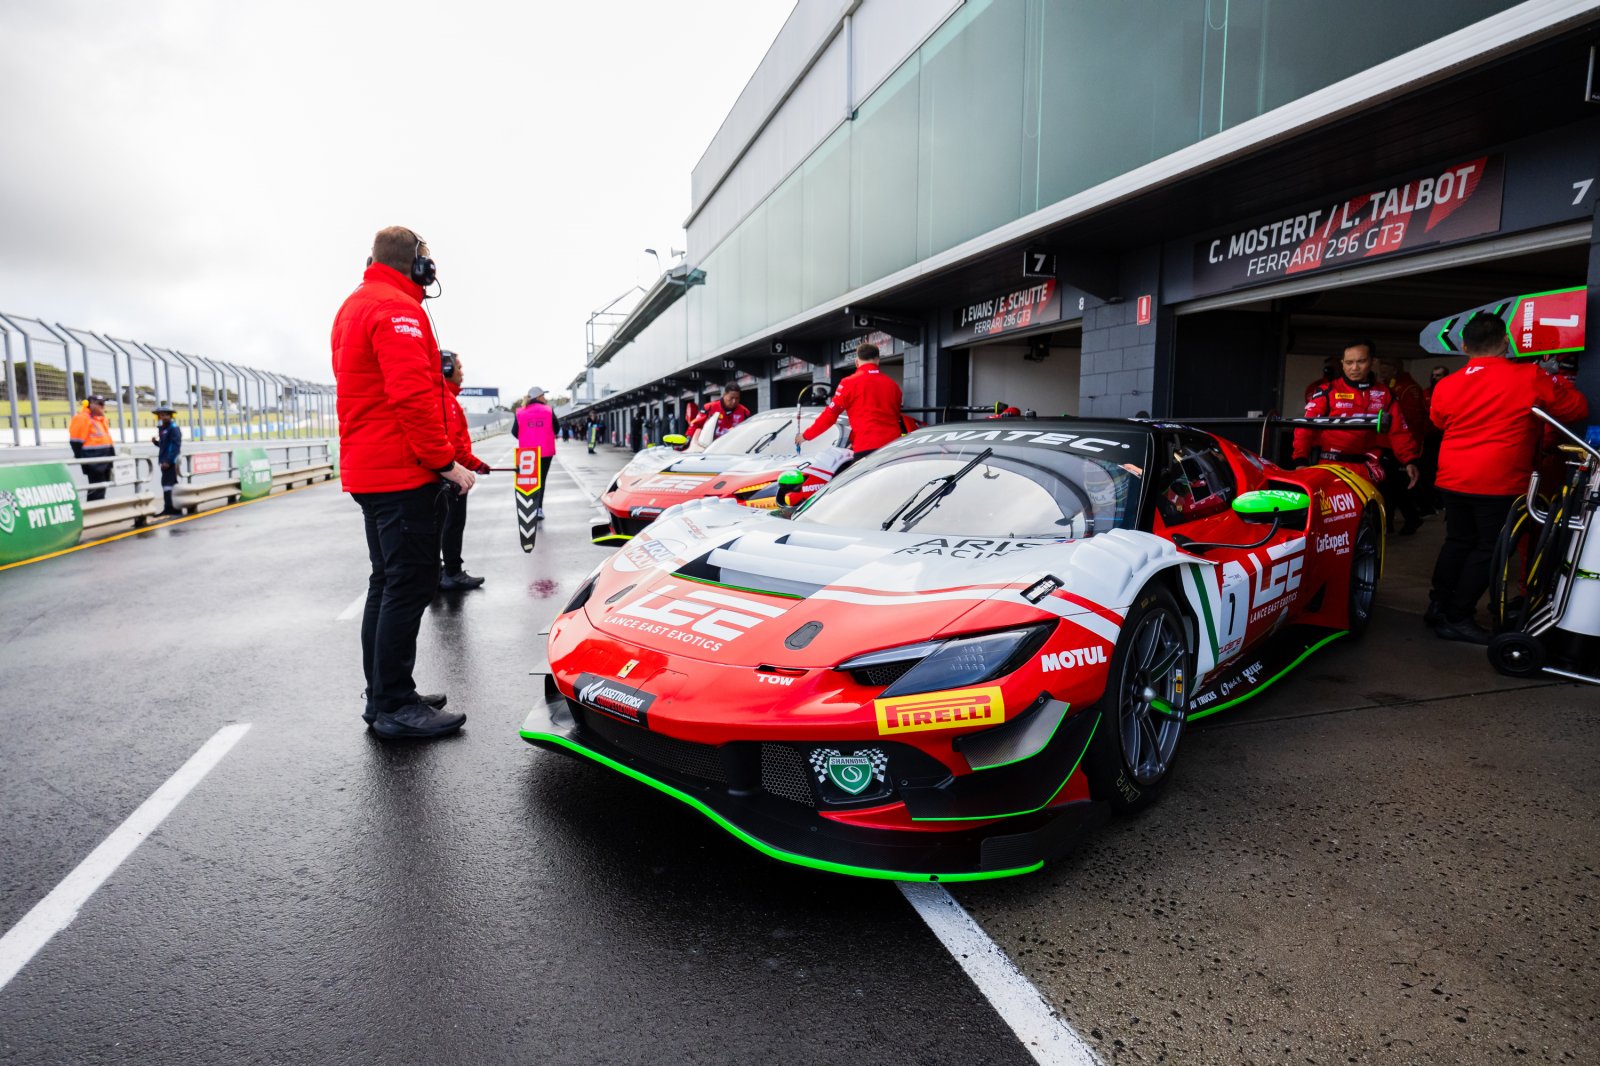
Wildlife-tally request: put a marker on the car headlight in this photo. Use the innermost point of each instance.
(940, 664)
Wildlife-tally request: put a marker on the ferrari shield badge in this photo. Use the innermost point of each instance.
(851, 774)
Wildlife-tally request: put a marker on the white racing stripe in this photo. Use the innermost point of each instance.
(1048, 1038)
(57, 910)
(354, 610)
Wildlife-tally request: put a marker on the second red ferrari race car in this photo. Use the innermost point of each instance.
(969, 646)
(743, 464)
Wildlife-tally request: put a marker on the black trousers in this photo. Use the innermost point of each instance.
(95, 473)
(1398, 497)
(403, 545)
(544, 479)
(454, 528)
(1471, 526)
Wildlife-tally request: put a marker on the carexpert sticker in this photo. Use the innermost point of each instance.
(614, 698)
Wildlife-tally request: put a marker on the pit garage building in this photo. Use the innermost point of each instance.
(1108, 207)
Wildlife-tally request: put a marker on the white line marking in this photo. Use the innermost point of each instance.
(1047, 1036)
(593, 497)
(355, 608)
(57, 910)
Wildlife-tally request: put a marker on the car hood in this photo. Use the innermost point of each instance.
(715, 581)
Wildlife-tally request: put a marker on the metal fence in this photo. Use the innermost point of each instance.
(51, 369)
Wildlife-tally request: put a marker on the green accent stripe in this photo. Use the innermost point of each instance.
(1042, 806)
(611, 538)
(1209, 711)
(761, 845)
(737, 588)
(1205, 609)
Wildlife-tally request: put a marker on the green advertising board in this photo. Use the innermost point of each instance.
(255, 472)
(39, 511)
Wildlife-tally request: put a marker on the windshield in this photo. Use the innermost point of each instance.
(772, 433)
(1016, 491)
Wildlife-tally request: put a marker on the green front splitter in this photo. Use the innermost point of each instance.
(795, 833)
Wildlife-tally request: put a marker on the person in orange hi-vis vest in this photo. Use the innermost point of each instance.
(90, 437)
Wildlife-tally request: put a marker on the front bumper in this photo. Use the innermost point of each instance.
(950, 846)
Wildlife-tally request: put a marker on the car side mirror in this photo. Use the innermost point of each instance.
(1272, 505)
(789, 483)
(676, 441)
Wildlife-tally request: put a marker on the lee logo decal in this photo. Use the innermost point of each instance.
(704, 611)
(952, 709)
(1076, 657)
(673, 483)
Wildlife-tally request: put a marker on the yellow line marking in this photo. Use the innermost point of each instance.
(160, 525)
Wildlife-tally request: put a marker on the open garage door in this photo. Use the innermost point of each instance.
(1243, 355)
(1038, 373)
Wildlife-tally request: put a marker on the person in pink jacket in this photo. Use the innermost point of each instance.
(536, 428)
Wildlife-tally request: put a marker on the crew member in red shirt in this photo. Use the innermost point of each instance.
(871, 399)
(729, 411)
(1358, 448)
(454, 578)
(395, 448)
(1484, 461)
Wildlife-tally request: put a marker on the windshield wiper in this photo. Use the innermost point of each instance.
(770, 437)
(930, 501)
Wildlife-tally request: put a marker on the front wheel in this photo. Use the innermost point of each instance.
(1365, 562)
(1145, 704)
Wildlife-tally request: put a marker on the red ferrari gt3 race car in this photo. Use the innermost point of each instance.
(743, 464)
(966, 648)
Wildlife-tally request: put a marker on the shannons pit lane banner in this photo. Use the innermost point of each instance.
(255, 472)
(1454, 203)
(39, 511)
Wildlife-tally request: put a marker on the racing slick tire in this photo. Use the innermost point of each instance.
(1365, 561)
(1516, 654)
(1145, 704)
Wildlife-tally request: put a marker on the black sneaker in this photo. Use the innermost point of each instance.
(1467, 631)
(1434, 614)
(459, 582)
(436, 700)
(417, 720)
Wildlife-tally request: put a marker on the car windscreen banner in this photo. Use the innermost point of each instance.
(1453, 203)
(1115, 445)
(39, 511)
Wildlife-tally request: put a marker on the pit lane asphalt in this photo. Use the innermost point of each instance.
(1390, 856)
(323, 896)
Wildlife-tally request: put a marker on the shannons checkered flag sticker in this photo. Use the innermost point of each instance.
(852, 773)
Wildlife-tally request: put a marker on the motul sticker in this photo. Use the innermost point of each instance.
(1073, 658)
(959, 708)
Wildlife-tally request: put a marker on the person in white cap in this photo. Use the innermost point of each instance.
(536, 428)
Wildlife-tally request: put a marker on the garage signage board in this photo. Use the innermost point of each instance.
(1541, 323)
(1452, 203)
(39, 511)
(1006, 312)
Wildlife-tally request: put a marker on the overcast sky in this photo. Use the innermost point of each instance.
(208, 175)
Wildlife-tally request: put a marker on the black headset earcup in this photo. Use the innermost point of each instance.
(447, 363)
(422, 271)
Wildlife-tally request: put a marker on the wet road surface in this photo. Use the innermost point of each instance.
(1389, 857)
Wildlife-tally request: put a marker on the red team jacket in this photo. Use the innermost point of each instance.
(728, 420)
(1489, 434)
(1341, 398)
(460, 432)
(872, 400)
(392, 430)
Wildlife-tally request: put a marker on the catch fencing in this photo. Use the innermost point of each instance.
(51, 368)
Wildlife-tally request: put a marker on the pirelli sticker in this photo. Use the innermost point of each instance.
(957, 708)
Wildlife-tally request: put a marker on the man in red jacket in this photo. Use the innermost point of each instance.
(871, 399)
(394, 449)
(1353, 394)
(454, 578)
(729, 411)
(1484, 461)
